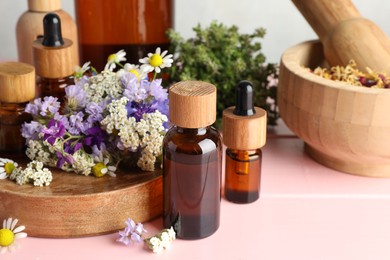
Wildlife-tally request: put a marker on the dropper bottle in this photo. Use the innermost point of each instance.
(244, 133)
(53, 59)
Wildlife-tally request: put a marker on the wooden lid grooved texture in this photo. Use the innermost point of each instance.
(192, 104)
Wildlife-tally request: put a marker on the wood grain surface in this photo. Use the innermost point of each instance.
(344, 127)
(347, 35)
(76, 205)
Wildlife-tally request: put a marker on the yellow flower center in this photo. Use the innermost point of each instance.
(135, 72)
(6, 237)
(111, 58)
(97, 169)
(9, 167)
(156, 60)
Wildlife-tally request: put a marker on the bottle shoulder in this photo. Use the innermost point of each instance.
(189, 142)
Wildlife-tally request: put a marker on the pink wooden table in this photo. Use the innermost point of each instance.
(306, 211)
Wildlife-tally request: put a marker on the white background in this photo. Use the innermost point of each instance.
(284, 24)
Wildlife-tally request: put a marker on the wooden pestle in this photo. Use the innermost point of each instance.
(346, 35)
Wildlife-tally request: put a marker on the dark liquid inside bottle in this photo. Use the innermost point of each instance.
(53, 87)
(242, 175)
(12, 116)
(106, 26)
(192, 181)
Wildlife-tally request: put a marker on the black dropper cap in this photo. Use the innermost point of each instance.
(244, 99)
(52, 35)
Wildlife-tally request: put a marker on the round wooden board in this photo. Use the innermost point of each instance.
(76, 205)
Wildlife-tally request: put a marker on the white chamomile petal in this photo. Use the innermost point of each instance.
(3, 176)
(111, 168)
(19, 229)
(8, 223)
(104, 170)
(21, 235)
(13, 224)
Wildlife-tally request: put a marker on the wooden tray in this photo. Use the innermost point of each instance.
(76, 205)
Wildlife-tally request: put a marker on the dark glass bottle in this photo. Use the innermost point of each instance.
(137, 26)
(53, 87)
(242, 175)
(244, 133)
(12, 116)
(17, 88)
(53, 58)
(192, 158)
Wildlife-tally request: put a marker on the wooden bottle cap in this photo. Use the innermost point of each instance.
(44, 5)
(192, 104)
(244, 132)
(17, 82)
(53, 62)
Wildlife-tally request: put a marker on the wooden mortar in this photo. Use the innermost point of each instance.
(344, 127)
(346, 35)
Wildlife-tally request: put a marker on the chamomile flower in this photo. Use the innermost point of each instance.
(8, 235)
(102, 166)
(136, 70)
(6, 167)
(115, 59)
(79, 71)
(156, 61)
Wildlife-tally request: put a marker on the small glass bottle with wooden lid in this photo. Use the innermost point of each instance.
(244, 133)
(17, 88)
(192, 161)
(53, 59)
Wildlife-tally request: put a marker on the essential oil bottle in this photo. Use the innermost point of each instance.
(53, 59)
(17, 88)
(192, 161)
(29, 26)
(244, 133)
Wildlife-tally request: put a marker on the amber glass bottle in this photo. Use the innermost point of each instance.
(244, 132)
(29, 27)
(53, 59)
(17, 87)
(137, 26)
(192, 157)
(242, 175)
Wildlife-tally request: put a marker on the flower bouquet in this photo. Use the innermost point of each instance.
(108, 117)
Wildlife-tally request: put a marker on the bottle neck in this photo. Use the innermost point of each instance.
(193, 131)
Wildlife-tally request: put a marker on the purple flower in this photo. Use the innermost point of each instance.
(77, 124)
(62, 158)
(49, 106)
(55, 129)
(95, 112)
(134, 90)
(34, 107)
(31, 130)
(157, 91)
(76, 97)
(64, 119)
(137, 110)
(132, 233)
(70, 147)
(95, 137)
